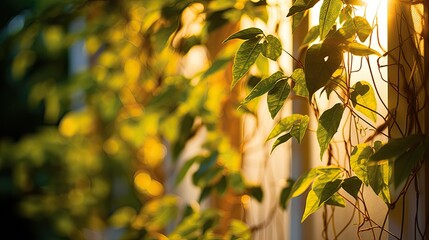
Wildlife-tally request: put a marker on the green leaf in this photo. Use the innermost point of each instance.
(184, 170)
(263, 86)
(272, 47)
(314, 199)
(300, 87)
(303, 182)
(216, 66)
(297, 19)
(239, 230)
(277, 96)
(245, 58)
(329, 189)
(245, 34)
(255, 192)
(328, 126)
(336, 200)
(299, 128)
(301, 5)
(321, 61)
(222, 185)
(379, 174)
(363, 99)
(396, 147)
(358, 161)
(329, 12)
(311, 36)
(205, 192)
(363, 28)
(280, 140)
(235, 181)
(352, 186)
(285, 194)
(404, 164)
(360, 49)
(285, 125)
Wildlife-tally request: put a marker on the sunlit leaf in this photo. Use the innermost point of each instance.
(303, 182)
(358, 161)
(285, 125)
(328, 126)
(363, 28)
(248, 33)
(336, 200)
(311, 204)
(360, 49)
(329, 12)
(239, 230)
(300, 87)
(285, 194)
(301, 5)
(321, 62)
(329, 189)
(311, 36)
(272, 47)
(277, 96)
(379, 174)
(299, 128)
(245, 58)
(352, 186)
(363, 99)
(263, 86)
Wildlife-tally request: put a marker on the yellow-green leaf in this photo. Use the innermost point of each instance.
(363, 99)
(263, 86)
(300, 87)
(277, 96)
(285, 125)
(359, 49)
(358, 161)
(246, 34)
(245, 58)
(301, 5)
(329, 12)
(328, 126)
(311, 36)
(303, 182)
(272, 47)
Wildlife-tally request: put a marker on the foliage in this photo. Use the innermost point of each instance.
(373, 164)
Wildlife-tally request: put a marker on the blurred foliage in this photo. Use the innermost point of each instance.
(83, 145)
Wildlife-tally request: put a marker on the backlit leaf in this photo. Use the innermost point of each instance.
(355, 2)
(404, 164)
(363, 28)
(358, 161)
(300, 87)
(328, 126)
(363, 99)
(263, 86)
(301, 5)
(359, 49)
(303, 182)
(285, 125)
(379, 174)
(216, 66)
(329, 189)
(272, 47)
(235, 181)
(336, 200)
(277, 96)
(320, 63)
(329, 12)
(246, 34)
(311, 204)
(299, 128)
(297, 19)
(245, 58)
